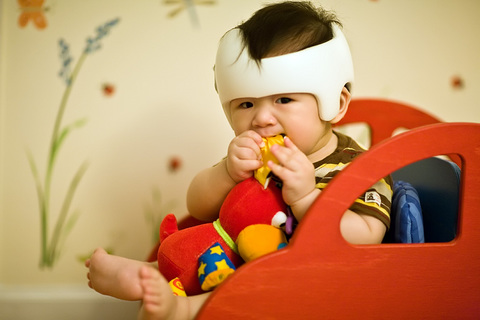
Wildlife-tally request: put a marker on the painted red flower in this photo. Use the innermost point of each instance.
(108, 89)
(457, 82)
(174, 164)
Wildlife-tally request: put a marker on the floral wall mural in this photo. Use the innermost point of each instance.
(189, 6)
(52, 239)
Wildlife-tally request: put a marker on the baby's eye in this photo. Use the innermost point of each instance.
(246, 104)
(283, 100)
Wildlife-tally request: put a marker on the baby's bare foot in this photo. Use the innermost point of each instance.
(114, 276)
(158, 299)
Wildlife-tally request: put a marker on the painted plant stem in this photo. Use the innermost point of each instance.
(50, 250)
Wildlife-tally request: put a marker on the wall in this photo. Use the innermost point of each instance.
(163, 106)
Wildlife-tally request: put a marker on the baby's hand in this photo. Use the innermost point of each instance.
(244, 155)
(294, 169)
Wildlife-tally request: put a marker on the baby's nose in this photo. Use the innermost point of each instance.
(264, 117)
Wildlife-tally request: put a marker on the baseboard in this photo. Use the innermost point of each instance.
(62, 303)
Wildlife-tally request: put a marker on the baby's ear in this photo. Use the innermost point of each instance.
(345, 98)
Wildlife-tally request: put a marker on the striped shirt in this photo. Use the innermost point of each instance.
(376, 201)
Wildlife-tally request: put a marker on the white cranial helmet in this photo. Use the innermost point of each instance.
(322, 70)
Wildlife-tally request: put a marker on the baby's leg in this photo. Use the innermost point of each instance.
(115, 276)
(159, 301)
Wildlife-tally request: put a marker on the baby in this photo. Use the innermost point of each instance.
(287, 70)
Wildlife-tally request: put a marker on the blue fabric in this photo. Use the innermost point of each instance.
(437, 182)
(407, 213)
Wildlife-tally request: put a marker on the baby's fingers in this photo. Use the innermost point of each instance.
(255, 137)
(276, 168)
(289, 144)
(286, 155)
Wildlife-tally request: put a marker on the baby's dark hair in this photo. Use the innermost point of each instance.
(286, 27)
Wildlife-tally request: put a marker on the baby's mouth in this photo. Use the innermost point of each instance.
(275, 135)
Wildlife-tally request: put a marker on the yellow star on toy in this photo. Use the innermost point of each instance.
(217, 249)
(221, 265)
(201, 269)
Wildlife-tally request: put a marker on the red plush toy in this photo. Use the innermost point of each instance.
(202, 256)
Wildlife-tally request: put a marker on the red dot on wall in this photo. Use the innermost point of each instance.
(457, 82)
(174, 164)
(108, 89)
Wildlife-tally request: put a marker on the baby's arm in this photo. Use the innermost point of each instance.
(207, 191)
(362, 229)
(210, 187)
(299, 192)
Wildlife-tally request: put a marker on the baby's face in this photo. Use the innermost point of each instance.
(293, 114)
